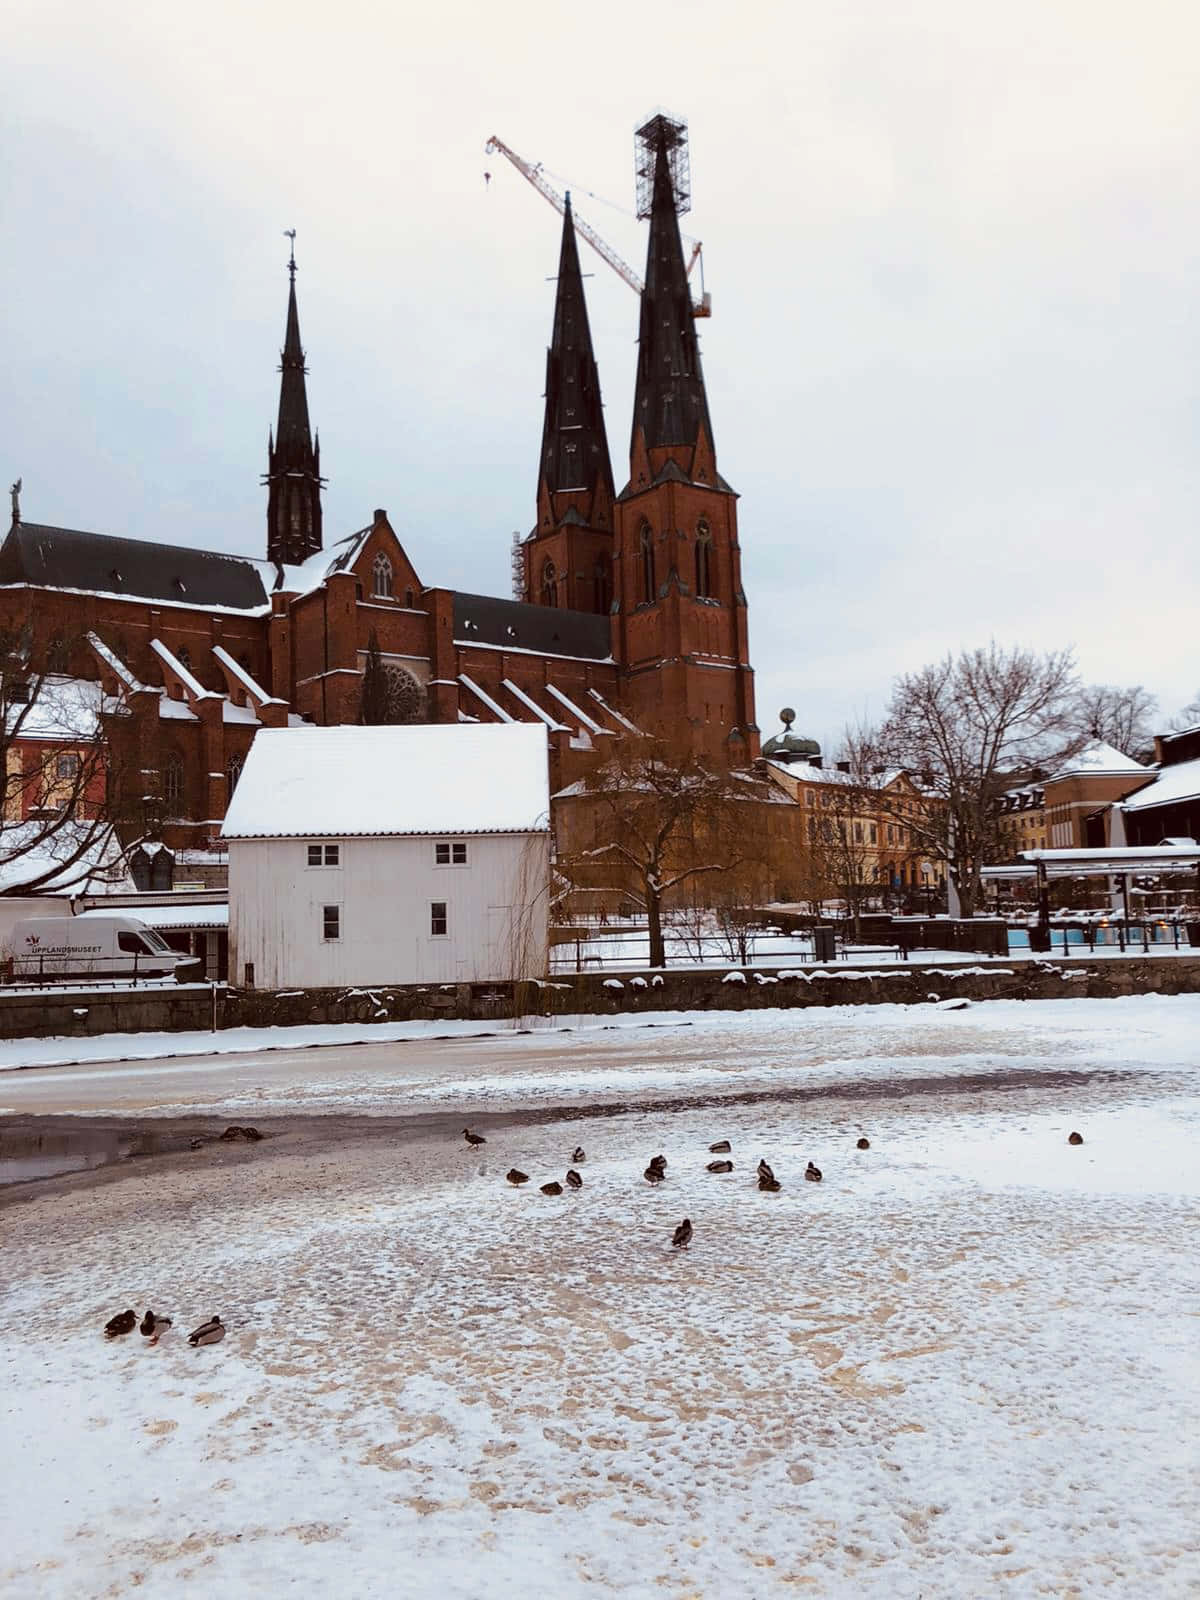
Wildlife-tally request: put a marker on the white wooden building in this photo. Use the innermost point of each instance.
(390, 855)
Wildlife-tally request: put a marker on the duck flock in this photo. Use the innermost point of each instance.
(656, 1172)
(152, 1326)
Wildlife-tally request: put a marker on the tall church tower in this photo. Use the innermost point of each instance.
(679, 627)
(568, 556)
(293, 461)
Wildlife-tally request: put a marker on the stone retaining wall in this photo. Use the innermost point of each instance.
(714, 990)
(67, 1012)
(190, 1007)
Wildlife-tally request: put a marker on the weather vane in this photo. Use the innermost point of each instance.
(290, 233)
(15, 491)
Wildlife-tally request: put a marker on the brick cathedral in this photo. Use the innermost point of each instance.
(632, 614)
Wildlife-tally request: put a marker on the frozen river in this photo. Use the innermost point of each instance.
(965, 1362)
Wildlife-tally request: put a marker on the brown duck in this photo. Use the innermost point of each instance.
(473, 1139)
(124, 1322)
(682, 1236)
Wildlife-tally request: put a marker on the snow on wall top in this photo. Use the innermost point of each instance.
(441, 778)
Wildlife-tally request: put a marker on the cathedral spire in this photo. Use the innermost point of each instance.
(670, 407)
(293, 467)
(574, 446)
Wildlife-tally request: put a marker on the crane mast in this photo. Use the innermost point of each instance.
(533, 174)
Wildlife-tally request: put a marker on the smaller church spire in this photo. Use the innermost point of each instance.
(293, 466)
(574, 444)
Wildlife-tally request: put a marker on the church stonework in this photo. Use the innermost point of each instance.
(633, 615)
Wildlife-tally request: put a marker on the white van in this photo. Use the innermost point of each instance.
(95, 945)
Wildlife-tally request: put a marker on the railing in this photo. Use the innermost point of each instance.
(45, 969)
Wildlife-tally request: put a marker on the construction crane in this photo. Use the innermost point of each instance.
(533, 174)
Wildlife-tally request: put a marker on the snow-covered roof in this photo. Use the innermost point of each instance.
(63, 709)
(437, 779)
(1098, 760)
(173, 916)
(88, 855)
(1173, 784)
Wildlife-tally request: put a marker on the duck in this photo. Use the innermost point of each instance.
(654, 1174)
(720, 1166)
(812, 1174)
(210, 1332)
(769, 1185)
(473, 1139)
(660, 1162)
(721, 1148)
(682, 1236)
(1074, 1138)
(863, 1144)
(552, 1188)
(574, 1181)
(515, 1176)
(124, 1322)
(578, 1155)
(765, 1173)
(152, 1327)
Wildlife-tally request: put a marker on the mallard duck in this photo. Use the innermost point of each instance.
(574, 1181)
(473, 1138)
(116, 1327)
(765, 1173)
(152, 1327)
(682, 1236)
(721, 1148)
(1074, 1138)
(210, 1332)
(552, 1188)
(660, 1162)
(720, 1166)
(654, 1174)
(863, 1144)
(578, 1156)
(812, 1174)
(769, 1185)
(516, 1176)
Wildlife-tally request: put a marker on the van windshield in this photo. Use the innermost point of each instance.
(156, 942)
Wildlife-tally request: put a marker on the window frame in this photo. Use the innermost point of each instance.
(450, 853)
(437, 916)
(321, 855)
(336, 936)
(383, 578)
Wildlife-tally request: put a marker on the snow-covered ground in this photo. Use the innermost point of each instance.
(966, 1362)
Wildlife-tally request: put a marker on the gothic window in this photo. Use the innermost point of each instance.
(381, 570)
(603, 580)
(173, 781)
(408, 598)
(184, 657)
(233, 771)
(405, 695)
(704, 560)
(549, 584)
(646, 544)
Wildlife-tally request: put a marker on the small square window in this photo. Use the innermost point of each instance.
(331, 922)
(314, 855)
(438, 925)
(332, 855)
(450, 853)
(67, 766)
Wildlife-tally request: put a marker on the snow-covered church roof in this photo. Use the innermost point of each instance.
(430, 779)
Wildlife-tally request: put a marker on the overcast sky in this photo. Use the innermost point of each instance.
(953, 249)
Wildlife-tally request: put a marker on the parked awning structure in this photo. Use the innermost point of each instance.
(1099, 863)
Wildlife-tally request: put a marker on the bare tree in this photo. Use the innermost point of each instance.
(964, 725)
(56, 772)
(1123, 718)
(1188, 717)
(659, 821)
